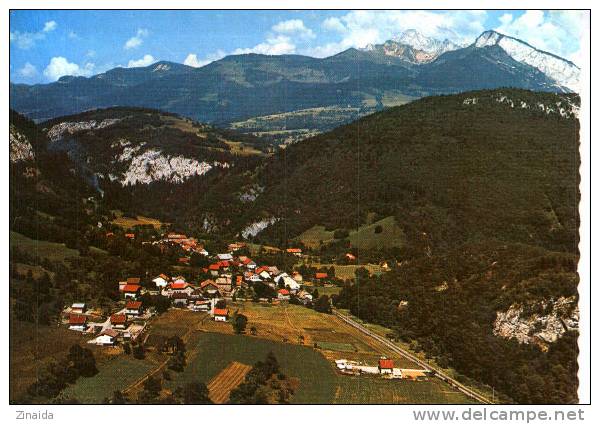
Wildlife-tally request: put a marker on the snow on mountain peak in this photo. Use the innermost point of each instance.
(564, 72)
(430, 45)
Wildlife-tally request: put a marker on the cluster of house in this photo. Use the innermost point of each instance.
(385, 368)
(125, 325)
(229, 274)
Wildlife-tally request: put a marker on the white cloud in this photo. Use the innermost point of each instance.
(506, 19)
(280, 44)
(28, 70)
(26, 40)
(137, 40)
(333, 24)
(148, 59)
(359, 28)
(293, 27)
(59, 66)
(558, 32)
(50, 26)
(192, 59)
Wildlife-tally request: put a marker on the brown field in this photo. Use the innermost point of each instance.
(223, 383)
(289, 323)
(126, 222)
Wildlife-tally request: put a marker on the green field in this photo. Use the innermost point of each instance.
(115, 375)
(373, 390)
(214, 352)
(364, 237)
(42, 249)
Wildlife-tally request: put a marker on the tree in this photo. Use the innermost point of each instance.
(221, 304)
(323, 305)
(153, 385)
(118, 398)
(82, 360)
(239, 323)
(139, 351)
(177, 361)
(196, 393)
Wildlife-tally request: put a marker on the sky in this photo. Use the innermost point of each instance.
(47, 44)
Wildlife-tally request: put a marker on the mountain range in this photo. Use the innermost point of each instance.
(240, 87)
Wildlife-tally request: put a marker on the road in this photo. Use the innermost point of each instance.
(437, 372)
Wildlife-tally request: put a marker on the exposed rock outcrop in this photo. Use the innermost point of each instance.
(558, 317)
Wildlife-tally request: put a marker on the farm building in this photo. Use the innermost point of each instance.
(386, 366)
(221, 314)
(77, 322)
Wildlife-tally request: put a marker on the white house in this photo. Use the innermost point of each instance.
(107, 338)
(160, 282)
(221, 314)
(287, 281)
(225, 256)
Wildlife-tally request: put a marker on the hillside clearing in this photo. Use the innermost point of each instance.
(381, 234)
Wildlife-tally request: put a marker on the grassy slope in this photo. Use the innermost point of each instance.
(364, 237)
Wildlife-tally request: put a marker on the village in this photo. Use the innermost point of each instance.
(231, 277)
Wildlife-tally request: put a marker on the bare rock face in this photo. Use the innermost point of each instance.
(20, 147)
(256, 227)
(58, 131)
(538, 328)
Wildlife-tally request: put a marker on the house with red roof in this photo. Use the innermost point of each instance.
(294, 251)
(131, 291)
(77, 322)
(321, 276)
(386, 366)
(221, 314)
(283, 294)
(133, 308)
(118, 321)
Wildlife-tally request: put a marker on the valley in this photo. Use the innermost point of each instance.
(391, 224)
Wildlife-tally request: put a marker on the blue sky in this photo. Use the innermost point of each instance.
(45, 45)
